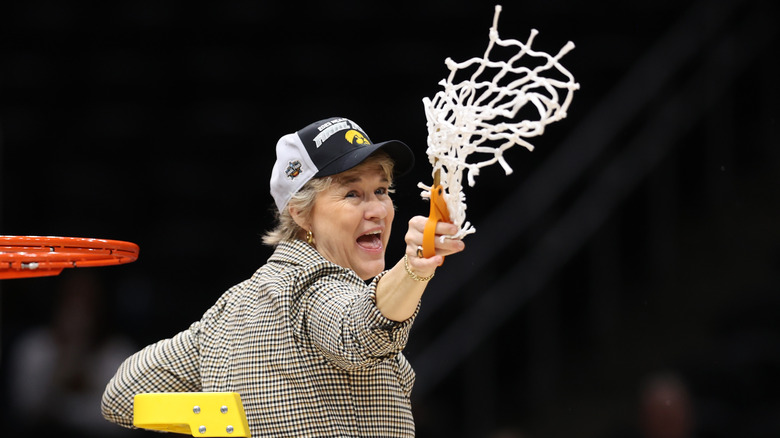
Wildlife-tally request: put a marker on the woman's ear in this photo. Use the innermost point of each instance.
(298, 217)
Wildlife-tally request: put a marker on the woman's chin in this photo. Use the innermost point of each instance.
(369, 270)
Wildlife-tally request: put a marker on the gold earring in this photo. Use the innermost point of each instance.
(309, 237)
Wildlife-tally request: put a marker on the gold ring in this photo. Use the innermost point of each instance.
(419, 251)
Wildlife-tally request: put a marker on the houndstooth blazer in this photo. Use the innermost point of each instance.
(302, 342)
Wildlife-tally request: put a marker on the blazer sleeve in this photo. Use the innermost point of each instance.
(170, 365)
(349, 330)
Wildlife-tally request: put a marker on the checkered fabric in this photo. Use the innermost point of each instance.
(302, 342)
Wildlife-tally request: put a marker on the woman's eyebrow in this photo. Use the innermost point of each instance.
(358, 178)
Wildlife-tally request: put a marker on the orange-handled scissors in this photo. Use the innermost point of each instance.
(439, 213)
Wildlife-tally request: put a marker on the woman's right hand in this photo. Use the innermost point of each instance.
(443, 245)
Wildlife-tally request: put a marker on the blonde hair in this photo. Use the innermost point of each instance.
(303, 200)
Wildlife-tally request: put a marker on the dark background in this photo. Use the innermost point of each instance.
(640, 237)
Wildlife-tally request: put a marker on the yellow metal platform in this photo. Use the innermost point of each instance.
(200, 414)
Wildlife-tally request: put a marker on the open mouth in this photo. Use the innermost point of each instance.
(372, 240)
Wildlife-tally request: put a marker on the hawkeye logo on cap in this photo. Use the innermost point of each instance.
(293, 169)
(331, 127)
(356, 138)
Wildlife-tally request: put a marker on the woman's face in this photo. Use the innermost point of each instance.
(351, 220)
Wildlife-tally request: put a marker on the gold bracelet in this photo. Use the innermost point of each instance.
(412, 274)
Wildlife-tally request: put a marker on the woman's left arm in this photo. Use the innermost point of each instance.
(399, 291)
(170, 365)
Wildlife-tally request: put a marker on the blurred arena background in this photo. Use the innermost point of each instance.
(638, 243)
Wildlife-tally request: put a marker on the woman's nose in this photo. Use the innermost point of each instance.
(375, 209)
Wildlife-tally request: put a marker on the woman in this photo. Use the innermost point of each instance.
(312, 342)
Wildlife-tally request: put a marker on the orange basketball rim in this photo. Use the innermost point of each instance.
(40, 256)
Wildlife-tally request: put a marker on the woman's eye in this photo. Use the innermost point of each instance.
(381, 191)
(351, 194)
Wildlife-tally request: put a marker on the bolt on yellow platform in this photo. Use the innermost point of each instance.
(200, 414)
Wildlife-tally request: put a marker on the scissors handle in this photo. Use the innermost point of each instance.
(439, 213)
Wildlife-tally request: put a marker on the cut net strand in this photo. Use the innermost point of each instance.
(472, 122)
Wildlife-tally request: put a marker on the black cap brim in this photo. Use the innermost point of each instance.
(400, 153)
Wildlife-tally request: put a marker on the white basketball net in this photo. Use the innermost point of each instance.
(476, 115)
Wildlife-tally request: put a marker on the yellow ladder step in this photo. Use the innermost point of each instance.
(200, 414)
